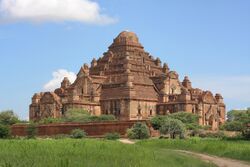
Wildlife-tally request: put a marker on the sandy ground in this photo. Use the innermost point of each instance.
(219, 161)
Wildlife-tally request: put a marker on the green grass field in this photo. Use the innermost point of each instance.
(89, 153)
(232, 149)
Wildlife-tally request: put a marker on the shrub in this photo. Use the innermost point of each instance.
(185, 117)
(138, 131)
(233, 126)
(173, 127)
(218, 134)
(112, 136)
(31, 131)
(4, 131)
(157, 121)
(50, 120)
(246, 133)
(78, 134)
(207, 127)
(8, 118)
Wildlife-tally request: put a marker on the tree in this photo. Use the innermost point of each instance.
(157, 121)
(173, 127)
(8, 117)
(139, 131)
(233, 126)
(4, 131)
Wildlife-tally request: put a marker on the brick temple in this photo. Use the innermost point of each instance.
(131, 84)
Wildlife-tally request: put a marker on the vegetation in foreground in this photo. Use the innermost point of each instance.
(89, 153)
(235, 149)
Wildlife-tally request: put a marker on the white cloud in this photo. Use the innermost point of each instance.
(58, 76)
(85, 11)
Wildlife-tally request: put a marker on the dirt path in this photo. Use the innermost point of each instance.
(220, 162)
(127, 141)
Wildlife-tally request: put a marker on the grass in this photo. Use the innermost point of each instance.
(238, 149)
(89, 153)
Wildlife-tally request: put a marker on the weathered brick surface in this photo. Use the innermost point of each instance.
(92, 129)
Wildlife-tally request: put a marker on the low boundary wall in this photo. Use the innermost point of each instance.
(93, 129)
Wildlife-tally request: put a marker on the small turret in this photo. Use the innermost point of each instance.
(36, 98)
(65, 83)
(186, 83)
(93, 63)
(158, 62)
(219, 98)
(165, 68)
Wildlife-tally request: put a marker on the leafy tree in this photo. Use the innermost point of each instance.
(190, 120)
(139, 131)
(8, 117)
(233, 126)
(78, 134)
(4, 131)
(173, 127)
(157, 121)
(185, 117)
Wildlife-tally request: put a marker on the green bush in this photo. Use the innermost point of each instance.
(233, 126)
(8, 118)
(4, 131)
(112, 136)
(31, 131)
(246, 133)
(157, 121)
(138, 131)
(50, 120)
(218, 134)
(81, 115)
(173, 127)
(207, 127)
(78, 134)
(185, 117)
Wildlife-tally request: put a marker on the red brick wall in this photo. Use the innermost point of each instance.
(93, 129)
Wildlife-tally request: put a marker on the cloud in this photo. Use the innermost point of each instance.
(234, 89)
(85, 11)
(58, 76)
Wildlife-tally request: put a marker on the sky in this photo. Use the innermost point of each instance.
(41, 41)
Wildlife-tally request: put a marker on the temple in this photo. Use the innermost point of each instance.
(131, 84)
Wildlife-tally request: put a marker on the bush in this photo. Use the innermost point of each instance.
(207, 127)
(81, 115)
(246, 133)
(157, 121)
(112, 136)
(138, 131)
(50, 120)
(233, 126)
(204, 134)
(8, 118)
(78, 134)
(185, 117)
(31, 131)
(4, 131)
(173, 127)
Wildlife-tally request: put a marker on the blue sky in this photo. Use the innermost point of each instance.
(207, 40)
